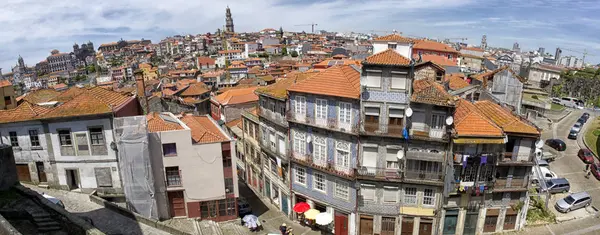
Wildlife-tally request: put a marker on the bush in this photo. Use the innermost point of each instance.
(537, 211)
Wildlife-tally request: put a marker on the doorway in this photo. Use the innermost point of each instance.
(425, 227)
(366, 225)
(72, 179)
(470, 223)
(41, 172)
(408, 224)
(23, 172)
(450, 222)
(177, 203)
(341, 224)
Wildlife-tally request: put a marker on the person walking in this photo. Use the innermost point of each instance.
(283, 229)
(587, 171)
(587, 167)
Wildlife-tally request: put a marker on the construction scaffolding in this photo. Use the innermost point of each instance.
(136, 168)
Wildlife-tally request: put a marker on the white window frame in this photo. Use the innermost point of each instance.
(398, 85)
(300, 105)
(372, 80)
(340, 160)
(429, 197)
(395, 192)
(343, 192)
(320, 149)
(316, 175)
(363, 192)
(410, 199)
(321, 108)
(300, 142)
(345, 112)
(300, 173)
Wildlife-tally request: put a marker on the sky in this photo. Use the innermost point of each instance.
(32, 28)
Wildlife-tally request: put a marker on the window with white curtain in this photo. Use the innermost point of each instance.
(390, 194)
(345, 112)
(300, 106)
(342, 156)
(369, 158)
(281, 140)
(321, 108)
(320, 149)
(299, 143)
(399, 81)
(367, 191)
(373, 79)
(391, 158)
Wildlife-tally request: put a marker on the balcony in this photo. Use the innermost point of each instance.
(331, 124)
(510, 159)
(427, 133)
(505, 184)
(424, 177)
(367, 172)
(272, 116)
(425, 156)
(307, 160)
(371, 126)
(269, 149)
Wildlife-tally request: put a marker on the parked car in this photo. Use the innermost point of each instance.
(548, 157)
(596, 170)
(586, 156)
(582, 120)
(573, 135)
(54, 200)
(556, 144)
(557, 185)
(547, 174)
(244, 207)
(573, 202)
(556, 100)
(586, 115)
(543, 163)
(576, 127)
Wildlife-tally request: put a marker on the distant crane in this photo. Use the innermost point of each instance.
(312, 26)
(584, 53)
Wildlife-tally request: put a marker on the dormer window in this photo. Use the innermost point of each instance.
(392, 46)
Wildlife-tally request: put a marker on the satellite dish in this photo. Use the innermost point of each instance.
(308, 138)
(539, 144)
(538, 153)
(449, 120)
(400, 154)
(409, 112)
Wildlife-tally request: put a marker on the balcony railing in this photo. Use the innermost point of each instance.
(426, 131)
(273, 116)
(371, 127)
(423, 175)
(507, 184)
(379, 173)
(330, 124)
(328, 166)
(510, 158)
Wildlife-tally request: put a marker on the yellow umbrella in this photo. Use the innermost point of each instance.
(311, 214)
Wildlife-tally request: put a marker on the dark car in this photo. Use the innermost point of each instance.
(573, 135)
(582, 120)
(586, 156)
(596, 170)
(557, 144)
(587, 115)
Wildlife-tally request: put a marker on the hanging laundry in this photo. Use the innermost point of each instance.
(483, 159)
(481, 188)
(464, 163)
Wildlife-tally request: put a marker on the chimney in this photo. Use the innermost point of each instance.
(141, 90)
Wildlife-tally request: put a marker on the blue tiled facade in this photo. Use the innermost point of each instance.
(327, 197)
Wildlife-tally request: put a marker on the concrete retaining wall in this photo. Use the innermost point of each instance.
(6, 228)
(134, 216)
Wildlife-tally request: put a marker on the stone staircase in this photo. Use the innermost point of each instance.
(45, 223)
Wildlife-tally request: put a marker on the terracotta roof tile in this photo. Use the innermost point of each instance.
(24, 112)
(387, 57)
(472, 49)
(156, 123)
(203, 60)
(279, 89)
(469, 121)
(204, 129)
(437, 59)
(490, 74)
(429, 92)
(393, 38)
(40, 96)
(5, 83)
(433, 46)
(340, 81)
(195, 89)
(505, 119)
(237, 96)
(456, 81)
(235, 122)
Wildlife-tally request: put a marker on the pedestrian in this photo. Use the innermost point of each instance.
(589, 172)
(283, 229)
(587, 167)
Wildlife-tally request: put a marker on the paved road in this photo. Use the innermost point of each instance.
(105, 220)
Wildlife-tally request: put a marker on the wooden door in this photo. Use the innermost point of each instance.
(490, 224)
(450, 224)
(23, 172)
(407, 226)
(425, 228)
(509, 222)
(41, 172)
(366, 226)
(177, 203)
(470, 223)
(341, 224)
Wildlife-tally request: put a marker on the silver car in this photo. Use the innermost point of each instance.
(573, 202)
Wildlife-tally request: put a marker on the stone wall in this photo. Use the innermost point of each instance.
(8, 169)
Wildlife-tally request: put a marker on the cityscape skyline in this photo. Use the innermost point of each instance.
(35, 32)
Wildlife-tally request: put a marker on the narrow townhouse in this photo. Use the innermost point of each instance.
(198, 178)
(324, 121)
(252, 150)
(272, 110)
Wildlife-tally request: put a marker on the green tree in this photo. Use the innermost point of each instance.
(227, 63)
(91, 68)
(294, 54)
(284, 51)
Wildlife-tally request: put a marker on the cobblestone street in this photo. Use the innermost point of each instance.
(105, 220)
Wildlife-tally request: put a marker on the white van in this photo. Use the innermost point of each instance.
(546, 173)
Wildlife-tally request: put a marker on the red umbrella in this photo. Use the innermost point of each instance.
(301, 207)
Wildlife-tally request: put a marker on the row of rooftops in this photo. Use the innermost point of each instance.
(203, 128)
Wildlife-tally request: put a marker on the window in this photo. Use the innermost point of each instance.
(7, 100)
(428, 197)
(399, 81)
(299, 143)
(390, 194)
(272, 139)
(367, 191)
(321, 108)
(342, 158)
(373, 79)
(320, 182)
(371, 118)
(392, 46)
(169, 149)
(65, 137)
(14, 140)
(341, 190)
(300, 176)
(34, 138)
(410, 195)
(320, 150)
(96, 136)
(173, 177)
(103, 177)
(345, 112)
(449, 56)
(437, 121)
(281, 140)
(208, 209)
(82, 143)
(391, 158)
(300, 107)
(396, 116)
(228, 185)
(273, 166)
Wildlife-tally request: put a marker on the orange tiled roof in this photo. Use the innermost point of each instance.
(40, 96)
(230, 51)
(490, 74)
(183, 83)
(24, 112)
(433, 46)
(5, 83)
(195, 89)
(340, 81)
(505, 119)
(437, 59)
(456, 81)
(235, 122)
(469, 121)
(472, 49)
(393, 38)
(156, 123)
(203, 129)
(237, 96)
(92, 101)
(429, 92)
(387, 57)
(279, 89)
